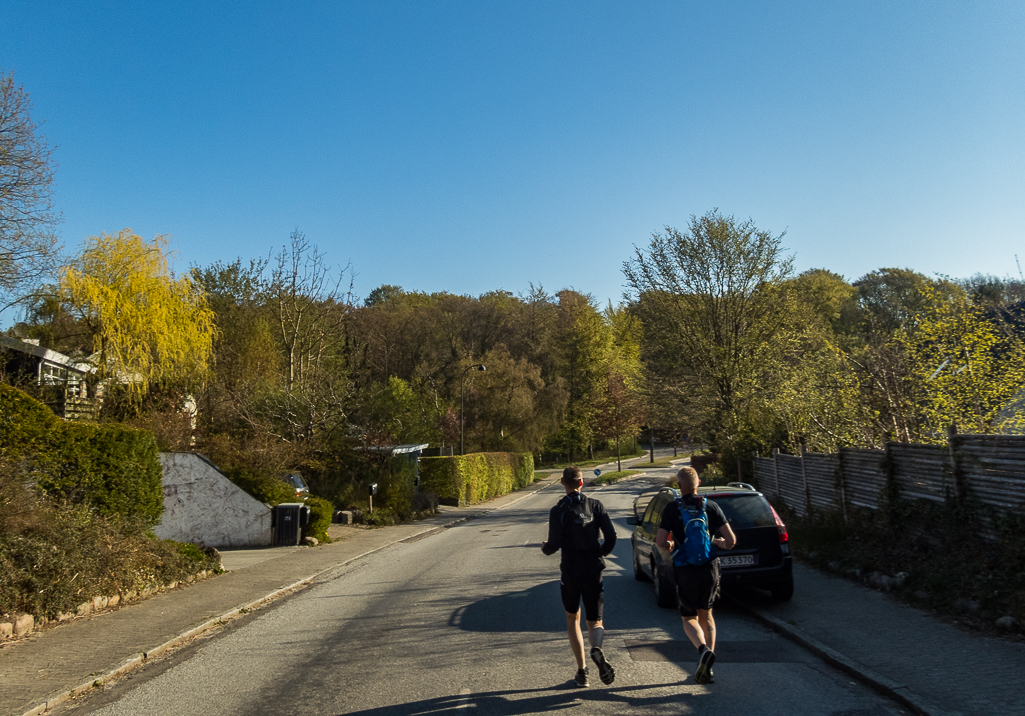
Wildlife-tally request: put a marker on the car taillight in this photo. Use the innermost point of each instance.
(782, 528)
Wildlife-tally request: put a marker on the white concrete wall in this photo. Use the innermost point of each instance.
(201, 505)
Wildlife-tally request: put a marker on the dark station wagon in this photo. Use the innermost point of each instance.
(760, 559)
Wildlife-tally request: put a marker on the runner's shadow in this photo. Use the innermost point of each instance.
(500, 703)
(516, 611)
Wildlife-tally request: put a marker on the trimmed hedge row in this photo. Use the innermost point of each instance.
(469, 479)
(112, 469)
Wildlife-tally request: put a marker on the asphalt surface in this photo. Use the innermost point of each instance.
(923, 663)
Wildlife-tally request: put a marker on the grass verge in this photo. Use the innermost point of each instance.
(608, 478)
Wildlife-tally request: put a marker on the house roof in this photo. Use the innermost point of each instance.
(398, 449)
(46, 354)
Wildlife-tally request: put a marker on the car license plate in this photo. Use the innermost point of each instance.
(737, 560)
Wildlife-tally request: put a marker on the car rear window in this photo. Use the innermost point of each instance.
(744, 511)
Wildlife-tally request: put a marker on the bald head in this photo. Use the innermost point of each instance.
(687, 479)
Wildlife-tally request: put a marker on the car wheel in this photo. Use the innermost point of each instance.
(783, 591)
(639, 574)
(665, 594)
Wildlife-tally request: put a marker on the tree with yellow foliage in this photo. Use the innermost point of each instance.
(965, 371)
(148, 326)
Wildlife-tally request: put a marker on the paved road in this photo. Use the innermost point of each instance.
(469, 618)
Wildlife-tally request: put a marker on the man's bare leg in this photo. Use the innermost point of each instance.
(707, 626)
(692, 628)
(576, 637)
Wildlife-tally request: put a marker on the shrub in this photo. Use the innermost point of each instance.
(113, 469)
(25, 424)
(424, 504)
(321, 512)
(110, 468)
(938, 545)
(713, 475)
(264, 486)
(380, 518)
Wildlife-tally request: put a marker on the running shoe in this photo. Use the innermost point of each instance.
(605, 670)
(703, 674)
(581, 678)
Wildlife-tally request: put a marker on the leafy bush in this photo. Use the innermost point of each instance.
(264, 486)
(380, 518)
(939, 546)
(110, 468)
(321, 512)
(713, 476)
(424, 503)
(25, 424)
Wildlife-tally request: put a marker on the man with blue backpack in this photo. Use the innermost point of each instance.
(687, 532)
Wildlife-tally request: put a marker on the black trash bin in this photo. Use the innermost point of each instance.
(287, 521)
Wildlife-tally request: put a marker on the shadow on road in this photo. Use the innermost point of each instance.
(511, 702)
(512, 611)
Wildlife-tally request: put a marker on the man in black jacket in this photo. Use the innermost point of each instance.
(573, 526)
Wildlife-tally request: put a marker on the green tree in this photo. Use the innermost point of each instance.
(620, 411)
(398, 416)
(713, 314)
(891, 299)
(583, 344)
(814, 398)
(247, 364)
(28, 242)
(515, 408)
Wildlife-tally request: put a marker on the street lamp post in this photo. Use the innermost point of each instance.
(478, 366)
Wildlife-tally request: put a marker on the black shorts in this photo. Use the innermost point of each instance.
(588, 587)
(696, 587)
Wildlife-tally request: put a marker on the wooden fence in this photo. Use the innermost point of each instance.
(991, 468)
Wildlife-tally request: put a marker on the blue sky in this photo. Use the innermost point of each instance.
(474, 146)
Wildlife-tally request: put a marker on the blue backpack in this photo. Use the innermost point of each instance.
(696, 547)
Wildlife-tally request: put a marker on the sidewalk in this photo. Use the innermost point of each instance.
(51, 665)
(932, 667)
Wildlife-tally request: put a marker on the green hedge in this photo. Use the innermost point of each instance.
(25, 424)
(469, 479)
(112, 469)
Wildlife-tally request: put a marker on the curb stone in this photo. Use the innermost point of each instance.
(862, 673)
